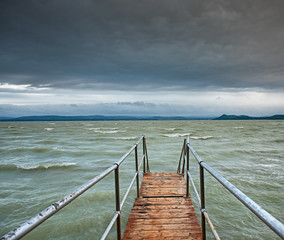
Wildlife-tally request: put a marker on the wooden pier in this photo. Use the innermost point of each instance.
(162, 211)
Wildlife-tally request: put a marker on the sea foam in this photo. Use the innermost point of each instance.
(48, 129)
(125, 138)
(37, 167)
(201, 138)
(175, 135)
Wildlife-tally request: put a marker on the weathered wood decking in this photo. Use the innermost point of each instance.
(163, 211)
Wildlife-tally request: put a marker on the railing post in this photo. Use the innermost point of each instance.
(148, 168)
(183, 156)
(117, 198)
(202, 197)
(180, 158)
(187, 169)
(137, 171)
(144, 156)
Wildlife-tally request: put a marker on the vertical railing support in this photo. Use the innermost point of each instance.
(183, 157)
(137, 171)
(187, 169)
(180, 159)
(144, 155)
(202, 198)
(148, 168)
(117, 198)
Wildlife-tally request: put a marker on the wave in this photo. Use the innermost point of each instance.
(201, 138)
(47, 141)
(93, 129)
(88, 124)
(170, 129)
(37, 167)
(125, 138)
(32, 150)
(109, 132)
(267, 165)
(238, 127)
(278, 140)
(175, 135)
(48, 129)
(105, 130)
(273, 160)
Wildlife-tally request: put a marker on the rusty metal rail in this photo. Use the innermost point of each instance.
(266, 217)
(35, 221)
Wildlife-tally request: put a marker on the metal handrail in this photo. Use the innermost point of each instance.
(180, 168)
(203, 211)
(35, 221)
(266, 217)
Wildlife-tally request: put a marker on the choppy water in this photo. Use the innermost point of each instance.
(41, 162)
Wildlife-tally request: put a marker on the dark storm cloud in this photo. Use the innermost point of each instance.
(152, 44)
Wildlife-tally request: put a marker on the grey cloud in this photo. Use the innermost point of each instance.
(142, 44)
(136, 104)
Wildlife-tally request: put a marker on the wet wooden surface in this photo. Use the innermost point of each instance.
(163, 211)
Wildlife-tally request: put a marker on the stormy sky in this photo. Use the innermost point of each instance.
(118, 57)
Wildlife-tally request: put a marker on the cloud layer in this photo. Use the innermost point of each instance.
(186, 57)
(142, 44)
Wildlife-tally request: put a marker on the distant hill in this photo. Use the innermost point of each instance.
(95, 118)
(244, 117)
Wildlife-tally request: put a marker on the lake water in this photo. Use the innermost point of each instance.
(41, 162)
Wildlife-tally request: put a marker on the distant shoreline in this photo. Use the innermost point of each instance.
(132, 118)
(245, 117)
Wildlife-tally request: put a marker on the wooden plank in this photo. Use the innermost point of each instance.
(166, 221)
(163, 185)
(160, 207)
(172, 238)
(163, 211)
(160, 233)
(162, 174)
(165, 201)
(165, 227)
(160, 215)
(163, 182)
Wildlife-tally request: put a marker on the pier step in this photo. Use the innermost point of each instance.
(163, 211)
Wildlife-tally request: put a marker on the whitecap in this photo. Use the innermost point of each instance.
(48, 129)
(201, 138)
(108, 132)
(238, 127)
(170, 129)
(273, 160)
(125, 138)
(175, 135)
(92, 129)
(267, 165)
(88, 124)
(46, 166)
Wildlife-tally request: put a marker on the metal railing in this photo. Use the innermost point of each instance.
(35, 221)
(266, 217)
